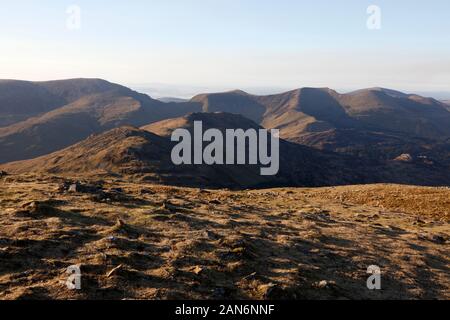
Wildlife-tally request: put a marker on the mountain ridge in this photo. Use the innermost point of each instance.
(376, 124)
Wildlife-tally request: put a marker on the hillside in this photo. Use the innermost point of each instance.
(376, 123)
(141, 241)
(320, 109)
(130, 151)
(20, 100)
(87, 106)
(139, 154)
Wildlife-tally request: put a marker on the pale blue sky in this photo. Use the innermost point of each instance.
(230, 44)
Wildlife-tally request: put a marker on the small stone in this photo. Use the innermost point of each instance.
(168, 206)
(419, 221)
(73, 188)
(113, 271)
(197, 270)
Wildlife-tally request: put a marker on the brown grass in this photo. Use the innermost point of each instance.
(153, 242)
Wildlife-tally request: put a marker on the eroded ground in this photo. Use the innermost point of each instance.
(137, 241)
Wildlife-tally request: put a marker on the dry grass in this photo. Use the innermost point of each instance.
(154, 242)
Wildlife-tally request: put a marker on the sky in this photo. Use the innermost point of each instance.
(178, 47)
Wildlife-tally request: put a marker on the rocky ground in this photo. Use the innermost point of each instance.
(139, 241)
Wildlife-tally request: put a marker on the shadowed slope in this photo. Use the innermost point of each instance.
(142, 155)
(376, 123)
(94, 106)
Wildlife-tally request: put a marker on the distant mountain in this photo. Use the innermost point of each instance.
(58, 114)
(310, 110)
(140, 154)
(377, 122)
(20, 100)
(237, 102)
(170, 99)
(218, 120)
(136, 152)
(37, 118)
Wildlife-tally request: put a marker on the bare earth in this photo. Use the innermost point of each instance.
(139, 241)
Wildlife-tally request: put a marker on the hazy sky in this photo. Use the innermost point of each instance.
(230, 43)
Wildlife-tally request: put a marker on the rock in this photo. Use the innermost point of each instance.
(406, 157)
(113, 271)
(197, 270)
(147, 191)
(35, 209)
(214, 202)
(419, 221)
(168, 206)
(78, 187)
(73, 188)
(3, 173)
(273, 291)
(324, 284)
(33, 205)
(210, 235)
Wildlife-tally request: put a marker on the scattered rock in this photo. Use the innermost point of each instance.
(324, 284)
(34, 209)
(78, 187)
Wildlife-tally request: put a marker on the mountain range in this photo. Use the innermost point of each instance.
(48, 116)
(145, 155)
(370, 135)
(391, 122)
